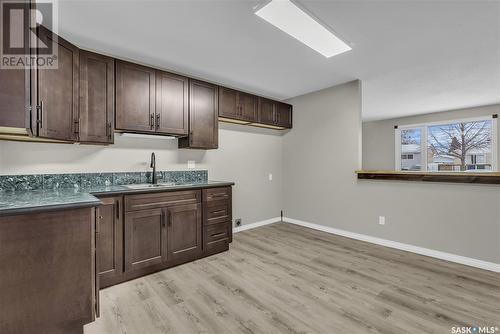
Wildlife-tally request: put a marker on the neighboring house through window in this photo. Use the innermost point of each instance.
(459, 146)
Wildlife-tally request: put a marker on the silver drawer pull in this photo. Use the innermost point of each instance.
(219, 196)
(218, 235)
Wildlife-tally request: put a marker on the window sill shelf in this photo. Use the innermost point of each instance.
(451, 177)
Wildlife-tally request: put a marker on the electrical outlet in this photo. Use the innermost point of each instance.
(270, 176)
(237, 222)
(191, 164)
(381, 220)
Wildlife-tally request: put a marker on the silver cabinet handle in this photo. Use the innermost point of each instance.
(110, 131)
(39, 116)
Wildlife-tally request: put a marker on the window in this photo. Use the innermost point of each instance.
(410, 149)
(456, 146)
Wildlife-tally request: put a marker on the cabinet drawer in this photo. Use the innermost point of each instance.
(216, 237)
(216, 232)
(217, 212)
(159, 200)
(216, 194)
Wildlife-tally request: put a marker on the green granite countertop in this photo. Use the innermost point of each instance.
(14, 202)
(19, 202)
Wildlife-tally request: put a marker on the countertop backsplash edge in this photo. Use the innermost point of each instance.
(89, 180)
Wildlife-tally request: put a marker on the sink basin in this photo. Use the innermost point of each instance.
(149, 185)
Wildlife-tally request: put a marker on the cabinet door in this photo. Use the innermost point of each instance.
(203, 120)
(248, 106)
(14, 91)
(57, 100)
(46, 282)
(135, 97)
(171, 104)
(97, 98)
(14, 98)
(228, 103)
(283, 115)
(110, 241)
(184, 231)
(144, 238)
(266, 111)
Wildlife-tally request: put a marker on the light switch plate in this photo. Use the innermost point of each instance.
(270, 176)
(191, 164)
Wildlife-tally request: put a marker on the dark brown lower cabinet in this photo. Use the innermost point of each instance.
(145, 239)
(160, 235)
(109, 219)
(47, 272)
(216, 237)
(143, 233)
(217, 219)
(184, 231)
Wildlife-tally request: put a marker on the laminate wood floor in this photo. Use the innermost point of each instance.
(283, 278)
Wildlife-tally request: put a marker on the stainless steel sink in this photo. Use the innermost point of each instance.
(148, 185)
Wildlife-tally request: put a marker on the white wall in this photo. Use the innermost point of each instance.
(378, 136)
(320, 156)
(245, 155)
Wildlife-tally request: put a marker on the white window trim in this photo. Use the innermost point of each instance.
(423, 139)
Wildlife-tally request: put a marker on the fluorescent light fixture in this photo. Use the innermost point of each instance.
(286, 16)
(144, 136)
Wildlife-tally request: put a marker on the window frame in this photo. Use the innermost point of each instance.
(424, 134)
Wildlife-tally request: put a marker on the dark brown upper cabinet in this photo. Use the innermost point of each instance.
(14, 98)
(237, 105)
(243, 108)
(151, 101)
(15, 95)
(228, 103)
(97, 98)
(203, 116)
(266, 111)
(274, 114)
(283, 115)
(135, 97)
(248, 106)
(172, 104)
(55, 92)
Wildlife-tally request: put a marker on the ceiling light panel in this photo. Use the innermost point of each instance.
(289, 18)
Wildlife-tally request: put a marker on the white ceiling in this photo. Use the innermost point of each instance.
(412, 56)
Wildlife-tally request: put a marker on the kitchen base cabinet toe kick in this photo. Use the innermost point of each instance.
(153, 231)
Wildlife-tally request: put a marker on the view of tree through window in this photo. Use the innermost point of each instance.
(459, 146)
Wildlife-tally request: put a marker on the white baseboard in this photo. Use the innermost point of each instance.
(256, 224)
(398, 245)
